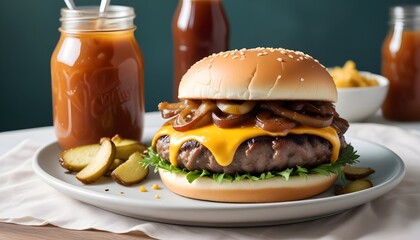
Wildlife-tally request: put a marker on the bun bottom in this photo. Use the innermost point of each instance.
(247, 191)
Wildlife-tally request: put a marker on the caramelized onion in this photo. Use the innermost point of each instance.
(314, 108)
(327, 109)
(235, 108)
(312, 121)
(190, 118)
(227, 121)
(341, 124)
(169, 110)
(274, 116)
(273, 123)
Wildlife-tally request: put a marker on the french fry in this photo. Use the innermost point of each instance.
(348, 76)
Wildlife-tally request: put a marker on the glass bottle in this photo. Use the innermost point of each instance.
(199, 28)
(97, 77)
(401, 64)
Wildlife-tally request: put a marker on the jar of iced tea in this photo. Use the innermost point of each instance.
(401, 64)
(199, 28)
(97, 76)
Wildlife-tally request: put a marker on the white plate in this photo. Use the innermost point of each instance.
(171, 208)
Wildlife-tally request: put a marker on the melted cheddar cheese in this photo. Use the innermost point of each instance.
(224, 142)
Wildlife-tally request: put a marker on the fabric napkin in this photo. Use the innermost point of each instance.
(25, 199)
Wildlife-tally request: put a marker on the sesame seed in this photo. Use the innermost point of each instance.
(235, 57)
(290, 56)
(280, 59)
(301, 79)
(301, 58)
(278, 77)
(283, 52)
(226, 55)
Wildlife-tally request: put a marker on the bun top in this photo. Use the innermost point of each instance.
(258, 74)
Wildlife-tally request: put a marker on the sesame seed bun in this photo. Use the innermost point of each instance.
(248, 191)
(258, 74)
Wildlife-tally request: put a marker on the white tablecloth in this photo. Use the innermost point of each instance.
(25, 199)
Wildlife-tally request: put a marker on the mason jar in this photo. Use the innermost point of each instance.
(401, 64)
(97, 75)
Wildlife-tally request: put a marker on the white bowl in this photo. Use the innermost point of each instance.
(358, 103)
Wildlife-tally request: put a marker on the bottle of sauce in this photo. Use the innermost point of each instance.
(401, 64)
(97, 77)
(199, 28)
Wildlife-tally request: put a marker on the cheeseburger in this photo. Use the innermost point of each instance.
(252, 125)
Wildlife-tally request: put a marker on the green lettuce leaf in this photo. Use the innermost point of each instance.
(347, 156)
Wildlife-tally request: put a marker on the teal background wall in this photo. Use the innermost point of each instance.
(331, 31)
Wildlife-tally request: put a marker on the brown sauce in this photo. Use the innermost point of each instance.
(97, 87)
(199, 28)
(401, 65)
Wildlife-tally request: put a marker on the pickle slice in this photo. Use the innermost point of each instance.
(353, 173)
(131, 171)
(75, 159)
(100, 164)
(354, 186)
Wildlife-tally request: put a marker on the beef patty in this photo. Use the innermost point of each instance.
(256, 155)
